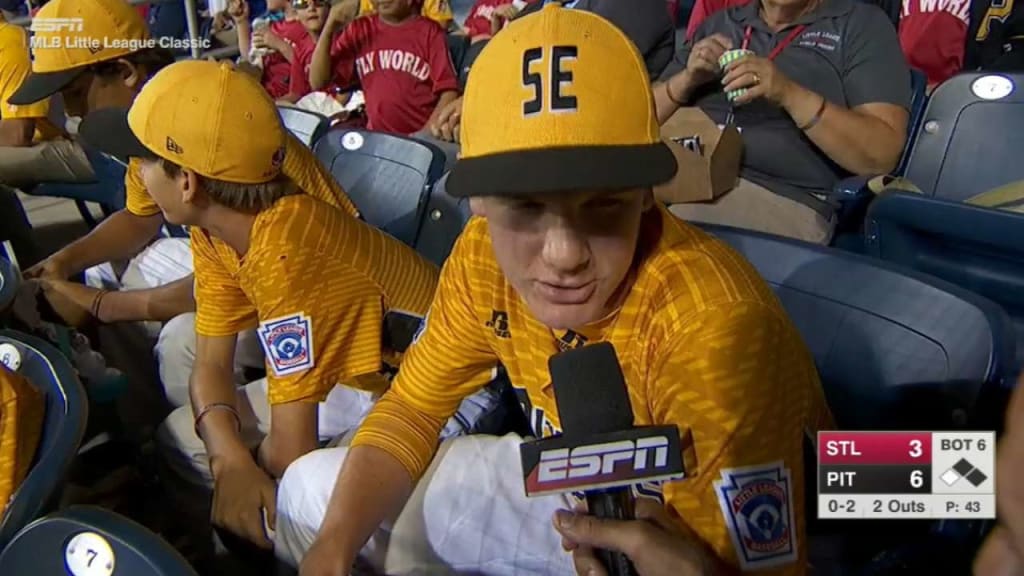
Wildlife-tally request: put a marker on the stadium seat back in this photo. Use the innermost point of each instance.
(91, 540)
(63, 427)
(918, 102)
(895, 349)
(306, 125)
(107, 190)
(389, 178)
(979, 249)
(8, 283)
(970, 137)
(443, 221)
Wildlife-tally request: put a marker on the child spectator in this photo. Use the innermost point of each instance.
(277, 39)
(401, 58)
(439, 11)
(312, 14)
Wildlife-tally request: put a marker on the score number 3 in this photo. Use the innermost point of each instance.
(915, 449)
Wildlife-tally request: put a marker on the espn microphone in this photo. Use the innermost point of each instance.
(599, 452)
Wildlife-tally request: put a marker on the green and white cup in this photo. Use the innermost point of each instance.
(728, 58)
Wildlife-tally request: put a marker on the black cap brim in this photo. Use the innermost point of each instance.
(38, 87)
(107, 130)
(550, 170)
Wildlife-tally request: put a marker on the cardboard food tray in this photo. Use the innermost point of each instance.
(705, 174)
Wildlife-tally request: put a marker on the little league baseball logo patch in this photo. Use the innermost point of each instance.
(757, 503)
(288, 343)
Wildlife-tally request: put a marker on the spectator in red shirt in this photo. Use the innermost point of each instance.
(932, 36)
(279, 39)
(312, 14)
(401, 58)
(487, 17)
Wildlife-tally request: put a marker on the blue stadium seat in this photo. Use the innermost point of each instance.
(889, 343)
(896, 350)
(63, 427)
(107, 190)
(90, 540)
(977, 248)
(971, 136)
(9, 277)
(918, 102)
(389, 178)
(306, 125)
(443, 221)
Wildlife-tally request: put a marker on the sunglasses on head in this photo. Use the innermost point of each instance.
(303, 4)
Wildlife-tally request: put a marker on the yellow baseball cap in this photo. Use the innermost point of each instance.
(69, 35)
(559, 101)
(204, 116)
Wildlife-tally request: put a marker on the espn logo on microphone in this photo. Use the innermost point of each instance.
(557, 464)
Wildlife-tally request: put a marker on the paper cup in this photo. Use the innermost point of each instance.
(728, 58)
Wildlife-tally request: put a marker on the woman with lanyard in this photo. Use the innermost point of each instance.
(819, 90)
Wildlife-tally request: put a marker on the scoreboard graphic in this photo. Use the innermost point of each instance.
(906, 475)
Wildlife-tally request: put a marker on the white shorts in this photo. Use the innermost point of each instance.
(468, 514)
(160, 263)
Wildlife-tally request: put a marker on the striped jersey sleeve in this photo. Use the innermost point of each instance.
(137, 198)
(312, 177)
(450, 361)
(740, 379)
(222, 308)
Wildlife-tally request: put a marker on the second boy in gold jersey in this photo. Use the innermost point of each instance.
(334, 301)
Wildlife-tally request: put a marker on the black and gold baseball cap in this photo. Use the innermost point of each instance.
(560, 100)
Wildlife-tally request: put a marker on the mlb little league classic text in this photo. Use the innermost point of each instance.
(97, 44)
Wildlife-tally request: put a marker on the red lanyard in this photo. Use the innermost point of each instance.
(780, 47)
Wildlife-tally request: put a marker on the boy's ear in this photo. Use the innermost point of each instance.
(131, 74)
(188, 183)
(478, 206)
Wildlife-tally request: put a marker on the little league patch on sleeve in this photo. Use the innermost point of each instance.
(757, 503)
(288, 343)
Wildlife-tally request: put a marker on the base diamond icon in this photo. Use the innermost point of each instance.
(966, 470)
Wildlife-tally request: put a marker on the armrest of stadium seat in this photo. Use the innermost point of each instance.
(851, 197)
(852, 187)
(937, 217)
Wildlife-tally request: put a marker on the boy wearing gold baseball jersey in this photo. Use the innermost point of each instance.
(569, 248)
(332, 299)
(157, 284)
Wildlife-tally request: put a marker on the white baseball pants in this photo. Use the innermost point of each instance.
(468, 514)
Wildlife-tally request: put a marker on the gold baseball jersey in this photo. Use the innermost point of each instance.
(704, 344)
(15, 65)
(318, 285)
(300, 165)
(439, 11)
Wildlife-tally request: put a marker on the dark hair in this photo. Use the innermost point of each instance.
(249, 198)
(150, 60)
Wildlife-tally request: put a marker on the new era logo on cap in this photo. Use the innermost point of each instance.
(173, 146)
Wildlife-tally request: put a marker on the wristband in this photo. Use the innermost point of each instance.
(668, 92)
(817, 116)
(216, 406)
(96, 301)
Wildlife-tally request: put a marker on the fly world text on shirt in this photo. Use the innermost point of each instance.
(398, 60)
